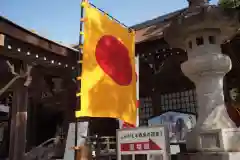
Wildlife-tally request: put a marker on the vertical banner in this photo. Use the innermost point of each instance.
(124, 124)
(108, 68)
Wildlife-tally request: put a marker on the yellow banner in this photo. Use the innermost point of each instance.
(108, 81)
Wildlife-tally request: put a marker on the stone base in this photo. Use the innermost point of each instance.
(220, 140)
(215, 140)
(209, 156)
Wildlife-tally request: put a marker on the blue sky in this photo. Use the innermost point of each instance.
(59, 19)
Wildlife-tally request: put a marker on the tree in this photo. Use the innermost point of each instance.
(229, 3)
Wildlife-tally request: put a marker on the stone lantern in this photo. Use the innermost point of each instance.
(200, 30)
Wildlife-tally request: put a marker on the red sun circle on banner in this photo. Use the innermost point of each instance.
(113, 57)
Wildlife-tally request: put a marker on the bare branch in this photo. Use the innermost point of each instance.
(28, 75)
(8, 84)
(12, 68)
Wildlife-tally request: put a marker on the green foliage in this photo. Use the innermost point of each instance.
(229, 3)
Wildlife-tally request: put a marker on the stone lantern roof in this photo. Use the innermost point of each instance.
(194, 3)
(201, 16)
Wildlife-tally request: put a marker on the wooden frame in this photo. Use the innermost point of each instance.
(9, 28)
(16, 42)
(2, 38)
(14, 48)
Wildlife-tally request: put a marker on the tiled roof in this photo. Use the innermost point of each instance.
(153, 29)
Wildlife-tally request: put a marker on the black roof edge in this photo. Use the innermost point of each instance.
(35, 34)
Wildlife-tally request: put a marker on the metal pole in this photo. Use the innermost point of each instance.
(79, 57)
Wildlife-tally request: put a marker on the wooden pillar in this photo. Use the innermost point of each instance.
(33, 102)
(31, 129)
(18, 121)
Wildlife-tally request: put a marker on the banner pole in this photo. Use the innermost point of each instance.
(79, 70)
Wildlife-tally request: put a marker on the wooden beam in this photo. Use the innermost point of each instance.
(2, 39)
(17, 32)
(31, 59)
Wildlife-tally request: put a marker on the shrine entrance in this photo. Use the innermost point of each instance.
(47, 123)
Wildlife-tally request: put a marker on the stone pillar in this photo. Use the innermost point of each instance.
(206, 67)
(200, 31)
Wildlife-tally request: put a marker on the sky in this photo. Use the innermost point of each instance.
(58, 20)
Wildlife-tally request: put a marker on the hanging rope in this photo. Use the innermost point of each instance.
(17, 76)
